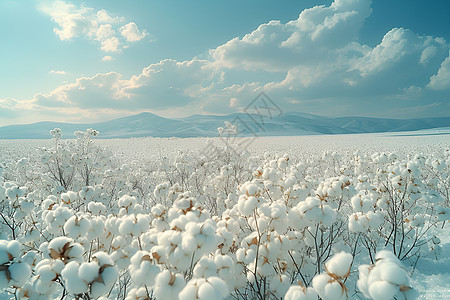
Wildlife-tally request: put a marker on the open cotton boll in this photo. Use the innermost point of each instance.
(298, 292)
(19, 273)
(247, 205)
(76, 226)
(385, 279)
(203, 289)
(106, 276)
(328, 288)
(205, 267)
(8, 249)
(47, 271)
(142, 270)
(73, 283)
(96, 208)
(382, 290)
(137, 294)
(88, 271)
(168, 285)
(65, 249)
(339, 264)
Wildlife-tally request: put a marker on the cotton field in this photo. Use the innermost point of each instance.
(320, 217)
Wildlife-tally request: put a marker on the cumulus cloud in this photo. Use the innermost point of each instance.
(131, 32)
(314, 64)
(441, 81)
(99, 26)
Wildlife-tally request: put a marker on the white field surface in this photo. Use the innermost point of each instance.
(430, 276)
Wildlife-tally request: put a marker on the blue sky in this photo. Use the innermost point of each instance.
(86, 61)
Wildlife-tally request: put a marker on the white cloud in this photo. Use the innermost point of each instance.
(111, 44)
(441, 81)
(131, 32)
(73, 22)
(107, 58)
(58, 72)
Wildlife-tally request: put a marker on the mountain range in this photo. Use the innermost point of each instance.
(288, 124)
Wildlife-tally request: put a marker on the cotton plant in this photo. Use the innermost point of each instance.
(331, 284)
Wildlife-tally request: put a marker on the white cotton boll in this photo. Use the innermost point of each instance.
(340, 264)
(362, 282)
(96, 208)
(168, 285)
(88, 271)
(247, 205)
(353, 223)
(206, 291)
(205, 267)
(220, 287)
(279, 285)
(137, 294)
(65, 249)
(328, 288)
(107, 276)
(142, 270)
(76, 226)
(73, 283)
(334, 290)
(13, 248)
(387, 255)
(297, 292)
(319, 282)
(392, 273)
(382, 290)
(189, 292)
(19, 273)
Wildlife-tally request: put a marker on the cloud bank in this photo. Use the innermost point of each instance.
(111, 33)
(314, 64)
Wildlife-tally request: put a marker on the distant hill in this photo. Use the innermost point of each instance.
(289, 124)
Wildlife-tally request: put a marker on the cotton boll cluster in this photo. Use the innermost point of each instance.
(168, 285)
(129, 205)
(310, 212)
(365, 222)
(250, 199)
(47, 271)
(199, 237)
(142, 270)
(330, 285)
(133, 225)
(204, 288)
(299, 292)
(96, 276)
(333, 189)
(56, 216)
(96, 208)
(13, 270)
(386, 279)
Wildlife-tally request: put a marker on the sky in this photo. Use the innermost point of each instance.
(89, 61)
